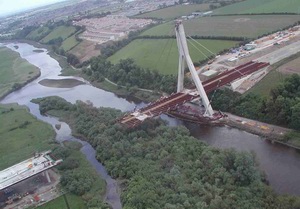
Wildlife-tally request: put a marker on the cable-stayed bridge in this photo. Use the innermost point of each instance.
(175, 100)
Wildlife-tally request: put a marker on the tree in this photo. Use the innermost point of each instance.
(295, 117)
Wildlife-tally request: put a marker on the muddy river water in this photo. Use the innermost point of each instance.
(280, 164)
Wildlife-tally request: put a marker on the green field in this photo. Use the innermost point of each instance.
(61, 31)
(261, 6)
(270, 81)
(69, 43)
(74, 202)
(38, 34)
(21, 135)
(14, 69)
(231, 26)
(162, 54)
(170, 13)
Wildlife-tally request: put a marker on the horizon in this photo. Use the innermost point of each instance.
(9, 7)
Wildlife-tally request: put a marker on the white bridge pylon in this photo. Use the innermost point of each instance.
(184, 58)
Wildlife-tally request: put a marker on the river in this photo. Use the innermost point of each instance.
(280, 164)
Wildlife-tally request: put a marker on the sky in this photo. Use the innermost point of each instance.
(13, 6)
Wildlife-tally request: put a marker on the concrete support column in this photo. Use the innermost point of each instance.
(47, 176)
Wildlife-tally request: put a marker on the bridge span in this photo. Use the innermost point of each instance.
(172, 102)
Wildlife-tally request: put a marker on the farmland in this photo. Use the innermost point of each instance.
(61, 31)
(85, 50)
(162, 54)
(69, 43)
(249, 26)
(261, 6)
(14, 71)
(38, 34)
(170, 13)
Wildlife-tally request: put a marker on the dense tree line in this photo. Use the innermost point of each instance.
(24, 32)
(282, 107)
(164, 167)
(127, 73)
(72, 59)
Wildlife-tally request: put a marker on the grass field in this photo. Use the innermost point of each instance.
(281, 70)
(170, 13)
(270, 81)
(162, 54)
(74, 202)
(69, 43)
(38, 34)
(261, 6)
(21, 135)
(291, 67)
(14, 69)
(232, 26)
(61, 31)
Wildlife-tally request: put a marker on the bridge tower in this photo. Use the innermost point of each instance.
(184, 58)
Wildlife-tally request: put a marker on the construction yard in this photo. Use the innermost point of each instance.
(271, 49)
(31, 192)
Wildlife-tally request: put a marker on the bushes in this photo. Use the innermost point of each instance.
(127, 73)
(282, 107)
(77, 176)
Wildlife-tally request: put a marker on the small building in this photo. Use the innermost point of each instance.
(209, 73)
(190, 17)
(197, 13)
(249, 47)
(232, 59)
(207, 13)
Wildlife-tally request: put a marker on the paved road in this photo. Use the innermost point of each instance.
(281, 53)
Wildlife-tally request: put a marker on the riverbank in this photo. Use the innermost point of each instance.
(20, 85)
(16, 72)
(135, 95)
(273, 133)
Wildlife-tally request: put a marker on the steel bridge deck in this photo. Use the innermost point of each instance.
(171, 102)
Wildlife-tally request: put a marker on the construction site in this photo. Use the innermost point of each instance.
(240, 69)
(110, 28)
(29, 183)
(270, 49)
